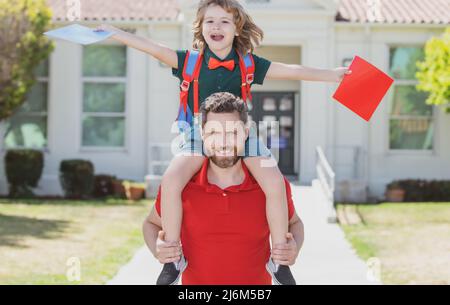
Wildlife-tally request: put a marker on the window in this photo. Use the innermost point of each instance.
(27, 128)
(410, 119)
(104, 91)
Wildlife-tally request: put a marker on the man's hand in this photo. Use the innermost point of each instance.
(285, 254)
(167, 252)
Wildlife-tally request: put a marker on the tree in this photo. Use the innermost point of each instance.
(434, 71)
(22, 48)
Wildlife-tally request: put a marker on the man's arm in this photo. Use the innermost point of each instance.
(154, 238)
(296, 228)
(150, 229)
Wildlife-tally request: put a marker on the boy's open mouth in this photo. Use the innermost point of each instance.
(217, 37)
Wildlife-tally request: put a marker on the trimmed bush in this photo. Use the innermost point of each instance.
(419, 190)
(103, 185)
(23, 171)
(77, 178)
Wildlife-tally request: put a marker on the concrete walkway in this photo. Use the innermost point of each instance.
(326, 256)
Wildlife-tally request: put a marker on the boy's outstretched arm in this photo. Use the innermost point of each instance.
(279, 70)
(157, 50)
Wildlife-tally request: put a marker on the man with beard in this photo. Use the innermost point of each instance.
(225, 235)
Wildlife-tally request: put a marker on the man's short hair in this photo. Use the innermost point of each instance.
(224, 102)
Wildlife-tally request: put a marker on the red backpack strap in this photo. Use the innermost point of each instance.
(247, 66)
(191, 71)
(195, 79)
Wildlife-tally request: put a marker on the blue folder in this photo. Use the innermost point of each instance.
(78, 34)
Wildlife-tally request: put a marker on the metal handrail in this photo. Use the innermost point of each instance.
(326, 177)
(325, 173)
(156, 159)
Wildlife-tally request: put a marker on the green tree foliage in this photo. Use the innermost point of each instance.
(22, 47)
(434, 71)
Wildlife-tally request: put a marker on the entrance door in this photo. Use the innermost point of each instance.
(277, 106)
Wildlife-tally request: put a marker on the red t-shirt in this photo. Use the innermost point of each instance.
(224, 234)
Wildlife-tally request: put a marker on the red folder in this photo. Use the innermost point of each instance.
(363, 89)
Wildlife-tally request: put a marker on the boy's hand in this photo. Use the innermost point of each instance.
(167, 252)
(285, 254)
(339, 73)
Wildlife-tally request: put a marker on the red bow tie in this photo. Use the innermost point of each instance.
(214, 64)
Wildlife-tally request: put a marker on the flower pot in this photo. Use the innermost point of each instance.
(119, 189)
(395, 195)
(135, 193)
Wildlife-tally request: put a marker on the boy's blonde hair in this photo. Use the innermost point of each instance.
(250, 35)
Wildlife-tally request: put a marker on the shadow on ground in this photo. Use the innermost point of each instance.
(75, 202)
(13, 229)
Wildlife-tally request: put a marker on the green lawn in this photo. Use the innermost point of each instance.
(412, 240)
(37, 238)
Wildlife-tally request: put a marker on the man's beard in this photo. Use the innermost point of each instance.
(226, 161)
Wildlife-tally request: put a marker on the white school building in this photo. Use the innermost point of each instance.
(115, 105)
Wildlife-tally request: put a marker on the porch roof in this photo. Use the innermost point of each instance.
(394, 11)
(359, 11)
